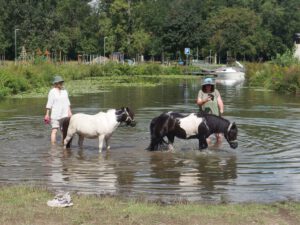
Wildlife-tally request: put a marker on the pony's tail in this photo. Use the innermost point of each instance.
(156, 144)
(64, 125)
(157, 136)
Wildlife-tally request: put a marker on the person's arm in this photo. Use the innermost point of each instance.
(69, 105)
(220, 104)
(69, 111)
(49, 106)
(47, 116)
(201, 101)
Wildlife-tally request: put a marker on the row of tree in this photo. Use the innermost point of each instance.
(245, 29)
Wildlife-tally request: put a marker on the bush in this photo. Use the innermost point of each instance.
(11, 84)
(275, 77)
(290, 82)
(286, 59)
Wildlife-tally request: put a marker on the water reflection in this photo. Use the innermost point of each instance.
(77, 171)
(265, 166)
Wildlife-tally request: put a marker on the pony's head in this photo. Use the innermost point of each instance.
(231, 135)
(126, 115)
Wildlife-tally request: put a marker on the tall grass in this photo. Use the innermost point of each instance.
(282, 74)
(15, 79)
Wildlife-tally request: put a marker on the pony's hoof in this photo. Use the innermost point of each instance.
(171, 148)
(108, 147)
(203, 147)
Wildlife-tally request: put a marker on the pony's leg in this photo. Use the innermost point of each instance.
(202, 143)
(80, 140)
(101, 140)
(67, 141)
(170, 147)
(170, 142)
(107, 138)
(203, 134)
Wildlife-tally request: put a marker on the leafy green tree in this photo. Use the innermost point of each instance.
(140, 40)
(183, 27)
(70, 15)
(120, 18)
(233, 30)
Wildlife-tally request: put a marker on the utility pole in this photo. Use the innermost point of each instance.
(16, 45)
(104, 46)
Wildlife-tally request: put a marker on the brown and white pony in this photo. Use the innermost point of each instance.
(189, 126)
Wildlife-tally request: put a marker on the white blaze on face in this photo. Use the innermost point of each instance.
(190, 124)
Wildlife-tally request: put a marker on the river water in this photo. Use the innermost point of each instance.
(264, 168)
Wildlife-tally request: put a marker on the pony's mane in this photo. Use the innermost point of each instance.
(205, 115)
(177, 114)
(216, 121)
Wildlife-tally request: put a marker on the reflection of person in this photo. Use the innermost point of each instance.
(209, 100)
(58, 104)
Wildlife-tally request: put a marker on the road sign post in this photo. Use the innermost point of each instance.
(187, 52)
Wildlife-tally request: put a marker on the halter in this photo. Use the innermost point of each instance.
(207, 127)
(128, 116)
(229, 127)
(226, 135)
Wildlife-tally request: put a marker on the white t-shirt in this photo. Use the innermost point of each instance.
(59, 103)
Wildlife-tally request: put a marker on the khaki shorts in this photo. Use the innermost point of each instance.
(55, 124)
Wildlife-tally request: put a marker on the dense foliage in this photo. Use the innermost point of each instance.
(158, 29)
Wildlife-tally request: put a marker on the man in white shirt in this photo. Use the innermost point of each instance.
(58, 104)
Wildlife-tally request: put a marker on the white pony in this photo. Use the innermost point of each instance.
(101, 125)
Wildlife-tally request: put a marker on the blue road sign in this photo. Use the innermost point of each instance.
(187, 51)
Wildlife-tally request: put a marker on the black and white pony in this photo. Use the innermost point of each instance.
(188, 126)
(101, 126)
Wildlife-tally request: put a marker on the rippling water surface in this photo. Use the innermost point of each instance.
(264, 168)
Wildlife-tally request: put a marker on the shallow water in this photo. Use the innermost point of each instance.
(264, 168)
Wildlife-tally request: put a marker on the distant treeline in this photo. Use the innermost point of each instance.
(158, 29)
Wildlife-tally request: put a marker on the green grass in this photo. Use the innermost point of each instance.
(101, 84)
(35, 79)
(27, 205)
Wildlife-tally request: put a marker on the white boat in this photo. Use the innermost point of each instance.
(230, 76)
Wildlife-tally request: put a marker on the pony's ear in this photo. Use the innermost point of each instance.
(233, 125)
(130, 111)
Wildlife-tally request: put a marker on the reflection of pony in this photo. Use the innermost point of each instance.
(188, 126)
(100, 126)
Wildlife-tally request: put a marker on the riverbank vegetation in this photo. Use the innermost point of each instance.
(36, 78)
(27, 205)
(282, 74)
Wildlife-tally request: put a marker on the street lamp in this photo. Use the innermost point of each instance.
(16, 44)
(104, 47)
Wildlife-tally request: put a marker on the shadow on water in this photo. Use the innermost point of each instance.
(264, 168)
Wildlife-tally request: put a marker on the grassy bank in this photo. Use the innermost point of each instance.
(282, 74)
(27, 205)
(16, 79)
